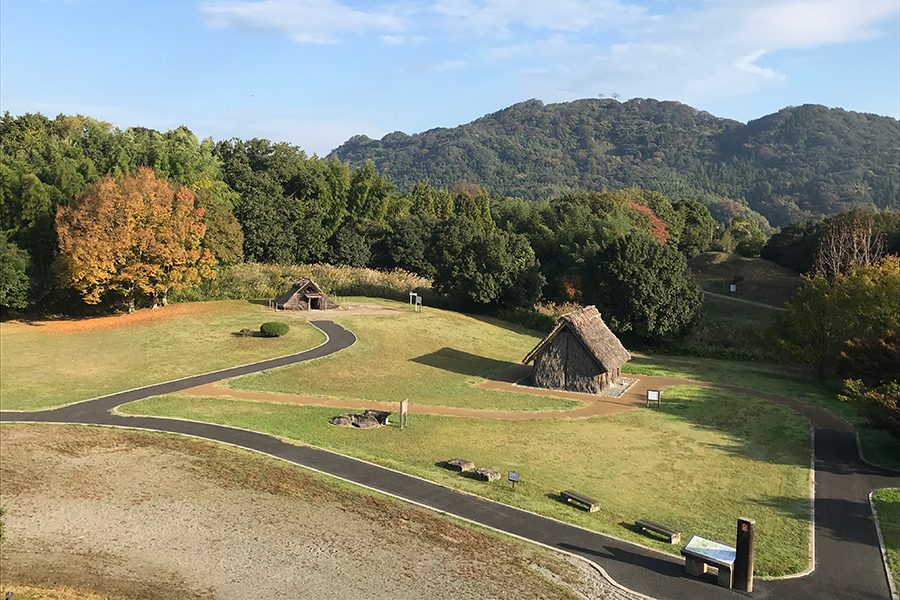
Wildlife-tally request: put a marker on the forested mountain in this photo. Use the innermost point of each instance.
(799, 163)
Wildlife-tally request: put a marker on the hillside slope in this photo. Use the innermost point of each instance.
(799, 163)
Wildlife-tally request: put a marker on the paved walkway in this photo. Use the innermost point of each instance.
(753, 302)
(848, 566)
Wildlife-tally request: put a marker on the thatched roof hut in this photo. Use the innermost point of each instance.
(303, 295)
(581, 354)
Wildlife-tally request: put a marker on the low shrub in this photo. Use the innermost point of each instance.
(881, 405)
(274, 329)
(531, 319)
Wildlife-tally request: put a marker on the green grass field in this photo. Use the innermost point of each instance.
(41, 369)
(790, 380)
(434, 357)
(887, 503)
(758, 280)
(696, 464)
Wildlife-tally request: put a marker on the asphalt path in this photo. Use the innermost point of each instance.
(848, 558)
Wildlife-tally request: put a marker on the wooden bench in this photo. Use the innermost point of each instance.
(700, 552)
(571, 496)
(674, 536)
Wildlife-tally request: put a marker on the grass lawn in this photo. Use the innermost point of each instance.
(434, 357)
(879, 446)
(696, 464)
(887, 503)
(759, 280)
(43, 367)
(722, 310)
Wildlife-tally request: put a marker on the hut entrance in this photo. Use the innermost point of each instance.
(315, 301)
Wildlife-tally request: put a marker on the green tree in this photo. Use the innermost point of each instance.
(824, 314)
(699, 228)
(642, 287)
(14, 282)
(484, 267)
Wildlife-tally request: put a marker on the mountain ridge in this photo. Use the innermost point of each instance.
(799, 163)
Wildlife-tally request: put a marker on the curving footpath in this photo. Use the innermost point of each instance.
(847, 554)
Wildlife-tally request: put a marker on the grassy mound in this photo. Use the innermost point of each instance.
(757, 279)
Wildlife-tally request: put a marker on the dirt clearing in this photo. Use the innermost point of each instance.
(126, 514)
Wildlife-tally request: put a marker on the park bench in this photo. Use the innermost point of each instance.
(674, 536)
(571, 496)
(700, 552)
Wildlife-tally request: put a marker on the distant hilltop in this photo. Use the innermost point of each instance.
(799, 163)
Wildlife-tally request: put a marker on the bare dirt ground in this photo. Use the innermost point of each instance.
(347, 309)
(99, 513)
(591, 404)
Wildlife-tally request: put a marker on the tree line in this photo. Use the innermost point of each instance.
(90, 213)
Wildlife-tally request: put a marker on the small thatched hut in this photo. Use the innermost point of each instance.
(581, 354)
(303, 295)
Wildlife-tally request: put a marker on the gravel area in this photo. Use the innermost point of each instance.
(135, 515)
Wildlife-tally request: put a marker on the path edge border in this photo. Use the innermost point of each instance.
(884, 558)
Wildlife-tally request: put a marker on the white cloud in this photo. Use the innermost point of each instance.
(401, 40)
(492, 16)
(303, 21)
(693, 56)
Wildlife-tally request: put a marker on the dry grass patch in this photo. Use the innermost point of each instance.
(55, 363)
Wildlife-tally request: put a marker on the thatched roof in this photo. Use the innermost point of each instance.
(300, 285)
(587, 326)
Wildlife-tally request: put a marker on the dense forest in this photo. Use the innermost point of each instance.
(797, 164)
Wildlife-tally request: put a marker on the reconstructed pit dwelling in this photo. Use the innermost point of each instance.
(581, 354)
(303, 295)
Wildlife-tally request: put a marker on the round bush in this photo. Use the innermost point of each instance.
(274, 329)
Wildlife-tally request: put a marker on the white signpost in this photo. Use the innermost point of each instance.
(652, 396)
(404, 410)
(418, 303)
(412, 297)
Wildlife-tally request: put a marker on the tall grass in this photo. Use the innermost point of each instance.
(250, 281)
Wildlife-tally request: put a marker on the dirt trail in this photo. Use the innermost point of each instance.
(592, 406)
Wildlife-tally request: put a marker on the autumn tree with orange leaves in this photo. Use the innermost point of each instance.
(135, 233)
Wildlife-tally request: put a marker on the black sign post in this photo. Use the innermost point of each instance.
(653, 396)
(743, 562)
(514, 477)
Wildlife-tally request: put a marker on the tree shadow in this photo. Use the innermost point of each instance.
(464, 363)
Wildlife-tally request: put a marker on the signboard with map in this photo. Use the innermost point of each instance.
(709, 550)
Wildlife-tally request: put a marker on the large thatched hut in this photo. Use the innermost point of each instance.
(303, 295)
(581, 354)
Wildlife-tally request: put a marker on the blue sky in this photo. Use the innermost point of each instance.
(315, 72)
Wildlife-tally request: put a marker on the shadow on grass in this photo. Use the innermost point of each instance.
(248, 333)
(464, 363)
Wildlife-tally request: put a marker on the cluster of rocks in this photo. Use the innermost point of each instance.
(460, 465)
(368, 419)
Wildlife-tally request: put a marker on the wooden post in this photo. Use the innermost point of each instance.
(404, 411)
(743, 563)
